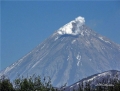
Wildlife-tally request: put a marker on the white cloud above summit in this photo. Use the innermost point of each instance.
(73, 27)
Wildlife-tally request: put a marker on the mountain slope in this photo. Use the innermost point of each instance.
(71, 53)
(100, 78)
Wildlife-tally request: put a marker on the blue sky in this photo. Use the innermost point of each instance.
(25, 24)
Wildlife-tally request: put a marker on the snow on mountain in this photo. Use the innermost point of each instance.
(71, 53)
(95, 80)
(73, 27)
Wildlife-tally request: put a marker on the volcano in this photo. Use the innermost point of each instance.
(71, 53)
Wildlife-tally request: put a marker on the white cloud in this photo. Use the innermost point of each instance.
(73, 27)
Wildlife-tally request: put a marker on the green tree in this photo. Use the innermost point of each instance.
(5, 84)
(33, 83)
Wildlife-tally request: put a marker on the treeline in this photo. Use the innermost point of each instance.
(115, 86)
(35, 83)
(103, 85)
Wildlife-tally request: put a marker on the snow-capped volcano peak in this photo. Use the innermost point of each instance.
(73, 27)
(66, 59)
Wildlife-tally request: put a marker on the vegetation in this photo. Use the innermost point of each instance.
(104, 85)
(35, 83)
(5, 84)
